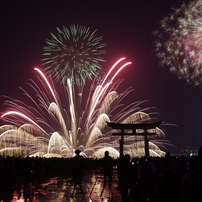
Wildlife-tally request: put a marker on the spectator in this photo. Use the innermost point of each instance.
(77, 165)
(147, 179)
(166, 189)
(107, 163)
(126, 177)
(169, 162)
(138, 168)
(152, 166)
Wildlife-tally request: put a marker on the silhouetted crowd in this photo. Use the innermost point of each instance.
(176, 179)
(143, 179)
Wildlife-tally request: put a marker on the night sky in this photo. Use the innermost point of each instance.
(126, 27)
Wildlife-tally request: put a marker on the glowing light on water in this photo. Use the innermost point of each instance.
(60, 120)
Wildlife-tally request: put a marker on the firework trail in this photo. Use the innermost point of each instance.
(178, 42)
(59, 121)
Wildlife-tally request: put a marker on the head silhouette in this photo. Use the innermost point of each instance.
(106, 153)
(77, 152)
(127, 158)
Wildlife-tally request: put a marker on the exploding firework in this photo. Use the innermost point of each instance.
(178, 42)
(74, 53)
(59, 121)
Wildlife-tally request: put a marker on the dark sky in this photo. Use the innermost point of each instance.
(126, 27)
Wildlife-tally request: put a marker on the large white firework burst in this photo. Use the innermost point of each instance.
(61, 119)
(178, 42)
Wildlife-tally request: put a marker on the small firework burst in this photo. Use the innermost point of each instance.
(74, 52)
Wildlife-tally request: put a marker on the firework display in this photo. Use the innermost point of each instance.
(56, 118)
(178, 42)
(54, 124)
(76, 52)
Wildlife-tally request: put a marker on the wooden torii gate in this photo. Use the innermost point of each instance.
(137, 129)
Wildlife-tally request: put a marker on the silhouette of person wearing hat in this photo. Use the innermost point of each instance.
(77, 168)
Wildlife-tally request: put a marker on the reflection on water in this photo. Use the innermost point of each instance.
(61, 189)
(34, 192)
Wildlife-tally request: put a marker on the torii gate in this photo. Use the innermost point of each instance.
(144, 127)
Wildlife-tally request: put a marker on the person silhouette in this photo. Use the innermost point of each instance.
(77, 166)
(126, 177)
(192, 183)
(107, 164)
(167, 190)
(137, 166)
(147, 181)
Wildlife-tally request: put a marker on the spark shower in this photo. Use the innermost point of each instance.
(60, 117)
